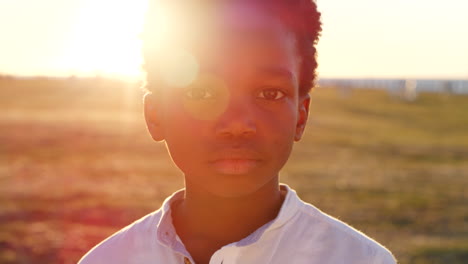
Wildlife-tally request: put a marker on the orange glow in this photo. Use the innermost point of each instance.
(366, 38)
(180, 68)
(105, 38)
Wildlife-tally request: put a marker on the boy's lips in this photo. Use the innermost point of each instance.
(235, 166)
(236, 162)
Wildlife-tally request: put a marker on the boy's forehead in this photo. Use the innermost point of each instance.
(238, 23)
(230, 36)
(242, 15)
(218, 19)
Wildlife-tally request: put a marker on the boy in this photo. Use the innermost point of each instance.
(228, 89)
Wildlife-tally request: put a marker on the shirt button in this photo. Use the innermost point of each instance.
(187, 261)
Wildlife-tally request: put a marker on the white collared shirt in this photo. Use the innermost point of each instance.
(300, 234)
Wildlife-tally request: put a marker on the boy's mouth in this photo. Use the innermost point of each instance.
(235, 161)
(235, 166)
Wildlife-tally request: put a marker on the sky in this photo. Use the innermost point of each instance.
(360, 39)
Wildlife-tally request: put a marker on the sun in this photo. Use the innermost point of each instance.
(105, 39)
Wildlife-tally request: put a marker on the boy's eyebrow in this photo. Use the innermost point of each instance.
(276, 71)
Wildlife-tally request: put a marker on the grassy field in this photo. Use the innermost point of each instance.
(76, 164)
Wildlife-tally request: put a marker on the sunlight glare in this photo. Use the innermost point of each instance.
(106, 38)
(168, 57)
(180, 68)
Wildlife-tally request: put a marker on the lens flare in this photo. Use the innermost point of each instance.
(210, 108)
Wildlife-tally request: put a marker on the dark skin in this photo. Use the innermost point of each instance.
(231, 142)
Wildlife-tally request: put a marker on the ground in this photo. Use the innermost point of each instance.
(76, 165)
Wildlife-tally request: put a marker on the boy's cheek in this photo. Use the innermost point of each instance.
(205, 110)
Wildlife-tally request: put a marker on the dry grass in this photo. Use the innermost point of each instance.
(76, 164)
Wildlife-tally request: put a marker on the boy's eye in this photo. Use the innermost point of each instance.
(199, 93)
(271, 94)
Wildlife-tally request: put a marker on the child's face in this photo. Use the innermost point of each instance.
(232, 130)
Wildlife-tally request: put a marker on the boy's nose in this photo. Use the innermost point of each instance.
(237, 120)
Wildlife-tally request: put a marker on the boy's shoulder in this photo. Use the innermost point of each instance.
(324, 233)
(135, 241)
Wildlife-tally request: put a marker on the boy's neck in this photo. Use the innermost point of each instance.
(217, 220)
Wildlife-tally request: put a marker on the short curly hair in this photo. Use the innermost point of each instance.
(299, 16)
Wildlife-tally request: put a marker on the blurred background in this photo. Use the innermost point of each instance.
(386, 149)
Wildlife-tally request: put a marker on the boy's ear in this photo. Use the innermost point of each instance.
(303, 111)
(152, 109)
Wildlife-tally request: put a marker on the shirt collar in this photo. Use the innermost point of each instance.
(165, 231)
(288, 209)
(167, 235)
